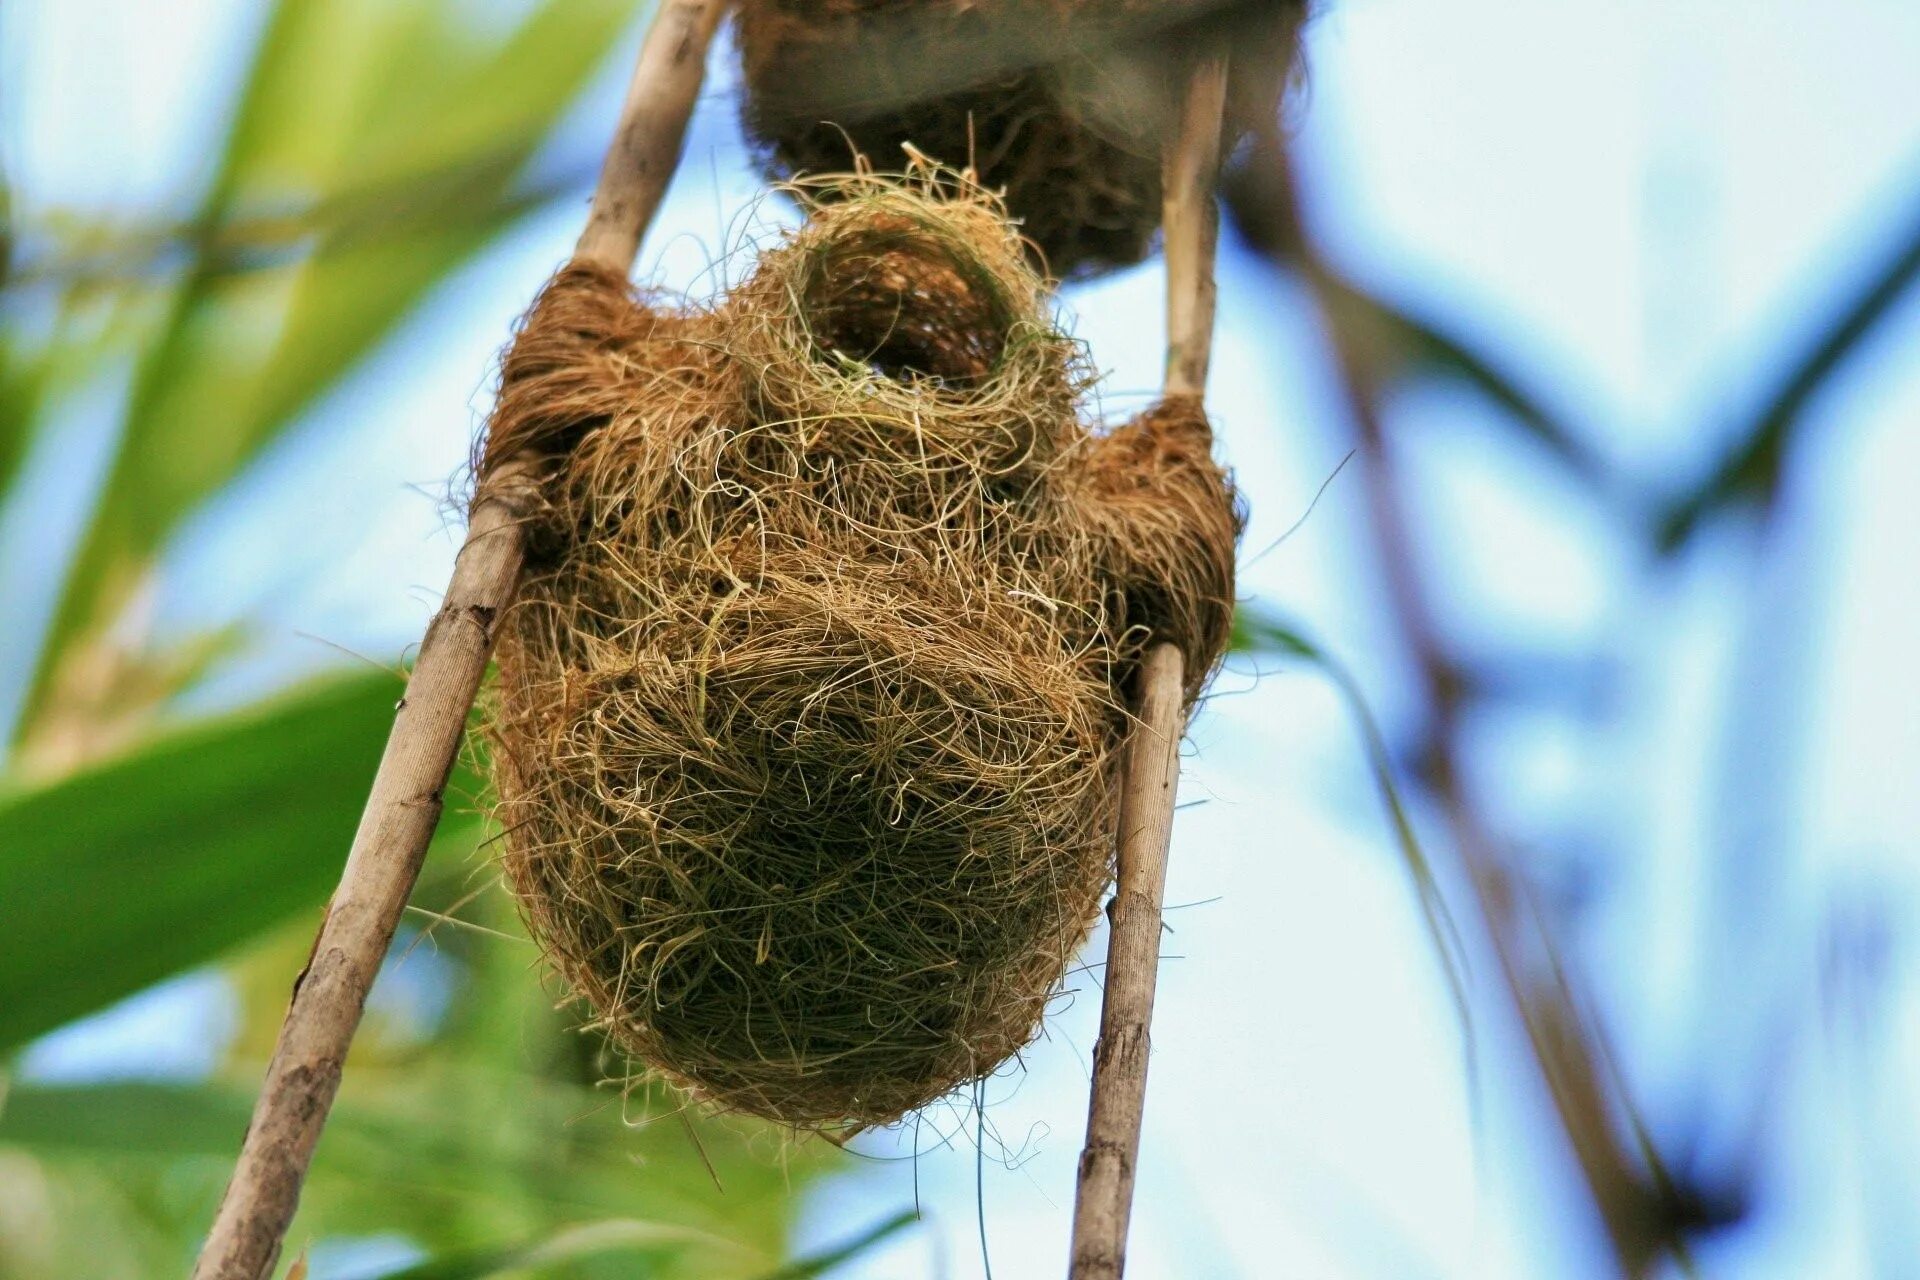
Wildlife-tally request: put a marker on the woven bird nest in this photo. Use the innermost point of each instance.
(806, 722)
(1061, 103)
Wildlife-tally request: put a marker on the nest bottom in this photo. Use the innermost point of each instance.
(858, 891)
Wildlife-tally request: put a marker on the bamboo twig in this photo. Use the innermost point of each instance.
(1192, 229)
(652, 132)
(1103, 1203)
(405, 801)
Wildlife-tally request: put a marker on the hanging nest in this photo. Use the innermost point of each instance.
(1062, 104)
(806, 723)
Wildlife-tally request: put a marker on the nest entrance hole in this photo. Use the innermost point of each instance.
(903, 306)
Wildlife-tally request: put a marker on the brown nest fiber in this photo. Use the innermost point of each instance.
(1061, 104)
(806, 720)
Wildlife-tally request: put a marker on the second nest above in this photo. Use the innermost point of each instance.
(1062, 104)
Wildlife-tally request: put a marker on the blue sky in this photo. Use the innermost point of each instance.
(1641, 206)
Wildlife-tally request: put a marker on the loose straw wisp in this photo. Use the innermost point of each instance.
(405, 801)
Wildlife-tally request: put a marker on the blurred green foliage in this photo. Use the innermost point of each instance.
(374, 147)
(233, 825)
(344, 98)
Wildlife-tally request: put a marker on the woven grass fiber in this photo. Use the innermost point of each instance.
(806, 721)
(1061, 104)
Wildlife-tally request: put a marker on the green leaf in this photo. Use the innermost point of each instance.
(1750, 472)
(167, 857)
(22, 379)
(339, 98)
(125, 1119)
(29, 378)
(1436, 349)
(1256, 632)
(642, 1247)
(1422, 345)
(819, 1264)
(448, 1155)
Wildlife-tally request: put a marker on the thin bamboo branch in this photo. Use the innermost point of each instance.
(651, 134)
(405, 802)
(1551, 1009)
(1192, 229)
(1103, 1204)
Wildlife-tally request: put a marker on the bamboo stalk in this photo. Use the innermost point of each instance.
(1103, 1203)
(1192, 229)
(404, 804)
(651, 134)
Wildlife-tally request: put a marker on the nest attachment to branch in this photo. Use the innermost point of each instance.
(806, 723)
(1060, 104)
